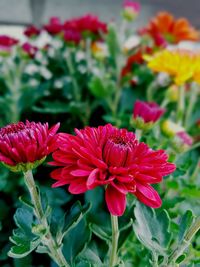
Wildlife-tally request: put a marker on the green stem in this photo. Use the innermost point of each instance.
(71, 69)
(150, 91)
(115, 237)
(186, 241)
(195, 172)
(138, 134)
(181, 105)
(48, 240)
(154, 260)
(191, 104)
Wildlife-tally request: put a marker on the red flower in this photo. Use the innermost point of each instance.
(54, 27)
(110, 157)
(7, 42)
(24, 146)
(86, 24)
(148, 111)
(32, 31)
(136, 58)
(72, 36)
(164, 29)
(29, 49)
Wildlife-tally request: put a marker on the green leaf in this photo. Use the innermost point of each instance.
(71, 219)
(152, 228)
(53, 107)
(100, 232)
(113, 42)
(180, 258)
(76, 241)
(22, 250)
(101, 87)
(23, 239)
(184, 224)
(91, 256)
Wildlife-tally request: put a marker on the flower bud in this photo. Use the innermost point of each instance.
(145, 114)
(131, 10)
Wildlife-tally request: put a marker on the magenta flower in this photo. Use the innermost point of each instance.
(113, 158)
(54, 26)
(24, 146)
(72, 36)
(7, 41)
(135, 6)
(145, 114)
(31, 31)
(29, 49)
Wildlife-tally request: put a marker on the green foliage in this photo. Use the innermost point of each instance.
(23, 239)
(152, 229)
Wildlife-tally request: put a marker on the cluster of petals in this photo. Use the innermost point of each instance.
(29, 49)
(75, 29)
(164, 29)
(86, 24)
(147, 111)
(113, 158)
(182, 65)
(32, 31)
(27, 142)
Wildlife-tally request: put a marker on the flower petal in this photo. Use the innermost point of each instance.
(148, 195)
(116, 201)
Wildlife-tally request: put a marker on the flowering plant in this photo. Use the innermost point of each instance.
(116, 181)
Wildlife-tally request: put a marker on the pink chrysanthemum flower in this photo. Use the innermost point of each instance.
(23, 146)
(113, 158)
(145, 114)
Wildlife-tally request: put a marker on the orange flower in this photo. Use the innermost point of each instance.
(164, 28)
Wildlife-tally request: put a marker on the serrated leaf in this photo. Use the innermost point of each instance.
(23, 239)
(23, 250)
(151, 228)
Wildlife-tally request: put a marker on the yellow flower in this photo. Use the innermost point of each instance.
(182, 65)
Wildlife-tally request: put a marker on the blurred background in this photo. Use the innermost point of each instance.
(15, 14)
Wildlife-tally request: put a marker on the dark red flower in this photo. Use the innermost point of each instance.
(54, 26)
(24, 145)
(136, 58)
(148, 111)
(86, 24)
(29, 49)
(7, 42)
(110, 157)
(31, 31)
